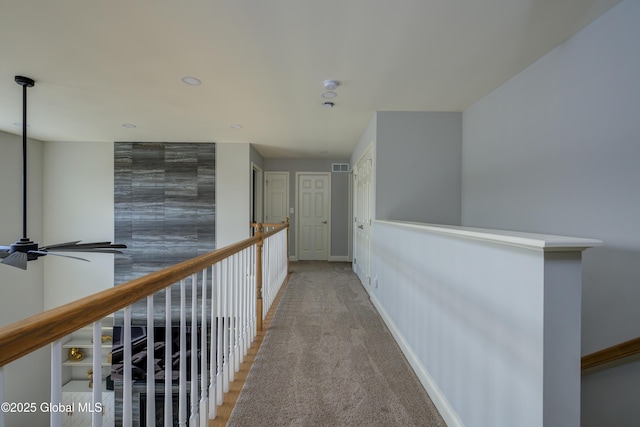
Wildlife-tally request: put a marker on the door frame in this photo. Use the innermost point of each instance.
(297, 210)
(369, 152)
(256, 204)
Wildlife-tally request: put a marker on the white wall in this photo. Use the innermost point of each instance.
(491, 329)
(418, 166)
(78, 200)
(232, 188)
(21, 292)
(557, 150)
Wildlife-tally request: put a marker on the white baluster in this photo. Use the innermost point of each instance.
(1, 394)
(55, 418)
(127, 395)
(213, 353)
(254, 272)
(265, 277)
(96, 417)
(231, 317)
(151, 365)
(220, 336)
(193, 417)
(236, 312)
(244, 304)
(225, 322)
(204, 332)
(168, 355)
(182, 382)
(241, 275)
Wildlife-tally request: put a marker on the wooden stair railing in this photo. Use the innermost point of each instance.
(239, 287)
(25, 336)
(611, 354)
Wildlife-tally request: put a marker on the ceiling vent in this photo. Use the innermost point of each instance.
(340, 167)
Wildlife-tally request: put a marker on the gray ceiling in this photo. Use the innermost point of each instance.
(99, 64)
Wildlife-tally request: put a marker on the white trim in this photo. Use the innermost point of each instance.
(542, 242)
(340, 258)
(293, 258)
(437, 396)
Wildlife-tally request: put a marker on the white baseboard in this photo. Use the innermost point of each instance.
(439, 399)
(343, 258)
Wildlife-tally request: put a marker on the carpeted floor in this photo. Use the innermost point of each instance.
(329, 360)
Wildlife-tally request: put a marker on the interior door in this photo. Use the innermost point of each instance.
(276, 197)
(313, 218)
(363, 216)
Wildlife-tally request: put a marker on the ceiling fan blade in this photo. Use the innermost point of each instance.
(77, 246)
(89, 251)
(51, 253)
(5, 248)
(16, 259)
(60, 245)
(4, 253)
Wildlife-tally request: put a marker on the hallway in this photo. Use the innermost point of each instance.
(328, 359)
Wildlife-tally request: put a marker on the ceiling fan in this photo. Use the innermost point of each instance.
(24, 250)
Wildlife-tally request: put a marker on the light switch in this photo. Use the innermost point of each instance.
(290, 210)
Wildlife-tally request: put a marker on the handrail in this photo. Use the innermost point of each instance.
(22, 337)
(611, 354)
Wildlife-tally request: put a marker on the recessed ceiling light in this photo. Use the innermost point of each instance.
(129, 125)
(235, 126)
(328, 104)
(328, 95)
(191, 81)
(331, 84)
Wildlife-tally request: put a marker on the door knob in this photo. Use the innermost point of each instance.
(361, 227)
(324, 222)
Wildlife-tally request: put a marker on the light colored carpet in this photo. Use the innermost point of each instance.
(329, 360)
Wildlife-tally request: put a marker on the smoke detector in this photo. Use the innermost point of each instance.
(331, 84)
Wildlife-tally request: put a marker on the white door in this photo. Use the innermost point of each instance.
(363, 210)
(313, 195)
(277, 197)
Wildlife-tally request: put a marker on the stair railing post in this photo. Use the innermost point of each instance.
(260, 235)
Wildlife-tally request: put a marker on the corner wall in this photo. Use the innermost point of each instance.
(78, 200)
(22, 292)
(556, 150)
(233, 186)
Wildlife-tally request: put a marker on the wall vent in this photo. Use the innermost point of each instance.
(340, 167)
